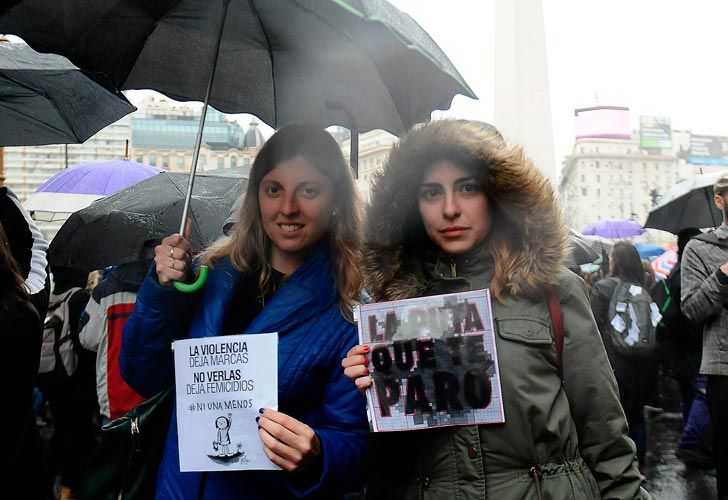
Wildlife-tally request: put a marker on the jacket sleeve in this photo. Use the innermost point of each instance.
(160, 316)
(702, 294)
(93, 325)
(343, 433)
(594, 399)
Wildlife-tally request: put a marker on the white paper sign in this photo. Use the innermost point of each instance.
(620, 307)
(618, 323)
(655, 314)
(221, 382)
(635, 290)
(634, 330)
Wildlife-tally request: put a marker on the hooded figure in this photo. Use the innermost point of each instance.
(560, 440)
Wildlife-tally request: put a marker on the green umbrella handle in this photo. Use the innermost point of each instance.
(193, 287)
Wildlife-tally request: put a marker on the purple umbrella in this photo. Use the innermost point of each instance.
(614, 228)
(77, 187)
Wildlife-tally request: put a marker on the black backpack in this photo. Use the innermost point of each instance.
(632, 319)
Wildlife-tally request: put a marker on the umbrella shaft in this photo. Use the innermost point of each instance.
(198, 141)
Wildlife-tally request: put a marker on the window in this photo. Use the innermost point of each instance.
(165, 162)
(583, 191)
(181, 162)
(233, 161)
(220, 162)
(152, 159)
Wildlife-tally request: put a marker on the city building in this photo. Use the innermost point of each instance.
(164, 134)
(27, 167)
(614, 178)
(374, 147)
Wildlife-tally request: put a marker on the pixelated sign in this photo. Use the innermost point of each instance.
(433, 362)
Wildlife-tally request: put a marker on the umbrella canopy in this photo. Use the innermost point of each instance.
(687, 204)
(115, 229)
(360, 64)
(646, 250)
(663, 264)
(582, 251)
(614, 228)
(77, 187)
(44, 99)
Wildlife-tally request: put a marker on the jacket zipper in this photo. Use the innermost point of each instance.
(536, 473)
(453, 270)
(134, 424)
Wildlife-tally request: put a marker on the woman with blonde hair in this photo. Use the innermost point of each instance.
(454, 210)
(289, 266)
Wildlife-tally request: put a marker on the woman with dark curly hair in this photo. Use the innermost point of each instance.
(456, 209)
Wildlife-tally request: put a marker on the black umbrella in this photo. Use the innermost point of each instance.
(687, 204)
(362, 64)
(358, 63)
(44, 99)
(116, 229)
(581, 251)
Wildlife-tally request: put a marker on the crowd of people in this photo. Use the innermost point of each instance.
(455, 209)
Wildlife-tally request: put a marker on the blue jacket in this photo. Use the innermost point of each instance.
(313, 338)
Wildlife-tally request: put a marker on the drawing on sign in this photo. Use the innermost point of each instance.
(221, 445)
(433, 362)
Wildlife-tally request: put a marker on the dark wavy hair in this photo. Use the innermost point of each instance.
(627, 264)
(12, 288)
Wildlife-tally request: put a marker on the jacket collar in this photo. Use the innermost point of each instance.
(307, 292)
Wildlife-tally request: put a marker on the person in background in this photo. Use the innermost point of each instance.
(290, 265)
(682, 343)
(102, 323)
(22, 472)
(455, 210)
(704, 281)
(636, 373)
(649, 273)
(70, 395)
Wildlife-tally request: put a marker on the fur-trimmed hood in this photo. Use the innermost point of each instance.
(527, 241)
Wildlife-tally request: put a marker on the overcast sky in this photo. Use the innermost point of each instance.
(664, 58)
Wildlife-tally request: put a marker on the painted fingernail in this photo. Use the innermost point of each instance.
(366, 348)
(261, 410)
(257, 418)
(366, 361)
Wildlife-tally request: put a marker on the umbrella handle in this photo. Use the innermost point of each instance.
(193, 287)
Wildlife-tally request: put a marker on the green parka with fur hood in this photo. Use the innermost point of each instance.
(559, 441)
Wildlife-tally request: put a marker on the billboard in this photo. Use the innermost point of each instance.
(708, 150)
(602, 121)
(655, 132)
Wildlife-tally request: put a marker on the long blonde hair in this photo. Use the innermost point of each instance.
(249, 247)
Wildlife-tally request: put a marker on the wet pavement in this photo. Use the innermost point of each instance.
(668, 477)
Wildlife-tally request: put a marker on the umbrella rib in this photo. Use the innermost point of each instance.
(270, 56)
(49, 99)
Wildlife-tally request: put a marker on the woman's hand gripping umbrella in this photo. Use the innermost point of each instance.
(173, 259)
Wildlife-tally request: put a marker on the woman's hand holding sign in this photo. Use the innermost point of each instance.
(288, 443)
(356, 367)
